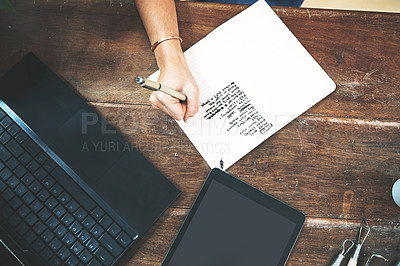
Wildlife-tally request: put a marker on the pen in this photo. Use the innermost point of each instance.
(155, 86)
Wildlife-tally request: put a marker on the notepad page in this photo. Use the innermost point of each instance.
(254, 78)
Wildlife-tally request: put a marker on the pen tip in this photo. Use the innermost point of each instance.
(139, 80)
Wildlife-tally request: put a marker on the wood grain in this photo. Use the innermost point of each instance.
(326, 167)
(100, 49)
(319, 242)
(336, 163)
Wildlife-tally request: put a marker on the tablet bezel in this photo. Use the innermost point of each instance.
(250, 192)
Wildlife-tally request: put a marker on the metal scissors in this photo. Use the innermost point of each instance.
(345, 250)
(362, 235)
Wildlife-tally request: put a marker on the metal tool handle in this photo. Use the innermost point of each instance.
(375, 256)
(338, 260)
(352, 262)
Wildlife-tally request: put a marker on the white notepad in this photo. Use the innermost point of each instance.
(254, 78)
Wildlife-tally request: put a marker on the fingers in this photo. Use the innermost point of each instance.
(192, 104)
(168, 105)
(178, 77)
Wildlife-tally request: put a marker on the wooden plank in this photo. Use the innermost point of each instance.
(99, 49)
(360, 51)
(319, 242)
(326, 167)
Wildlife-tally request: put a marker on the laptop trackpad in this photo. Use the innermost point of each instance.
(88, 144)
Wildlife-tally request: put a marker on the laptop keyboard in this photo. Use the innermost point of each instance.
(48, 209)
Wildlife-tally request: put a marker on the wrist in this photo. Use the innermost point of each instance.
(169, 53)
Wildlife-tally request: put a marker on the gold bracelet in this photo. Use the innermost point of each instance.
(154, 46)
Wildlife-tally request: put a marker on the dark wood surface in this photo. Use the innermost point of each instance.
(336, 163)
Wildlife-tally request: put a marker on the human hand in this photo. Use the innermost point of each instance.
(161, 24)
(175, 74)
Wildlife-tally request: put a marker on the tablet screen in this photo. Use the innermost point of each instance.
(229, 227)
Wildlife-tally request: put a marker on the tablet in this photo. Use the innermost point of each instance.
(232, 223)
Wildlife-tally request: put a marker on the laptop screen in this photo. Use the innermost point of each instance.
(229, 228)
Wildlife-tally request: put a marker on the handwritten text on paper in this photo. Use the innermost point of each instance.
(231, 103)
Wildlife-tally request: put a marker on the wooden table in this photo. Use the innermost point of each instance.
(336, 163)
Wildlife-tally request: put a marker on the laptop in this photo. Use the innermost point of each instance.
(232, 224)
(72, 190)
